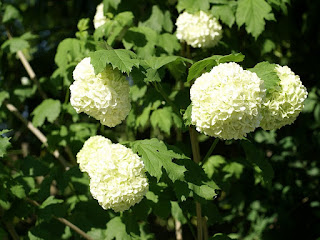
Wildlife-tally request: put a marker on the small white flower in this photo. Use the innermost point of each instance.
(199, 29)
(226, 101)
(99, 18)
(117, 175)
(104, 96)
(283, 105)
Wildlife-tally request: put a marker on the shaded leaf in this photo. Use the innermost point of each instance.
(15, 44)
(162, 118)
(4, 143)
(206, 64)
(266, 71)
(192, 5)
(116, 229)
(69, 50)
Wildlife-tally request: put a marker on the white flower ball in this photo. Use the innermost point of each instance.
(283, 105)
(226, 101)
(117, 175)
(104, 96)
(99, 18)
(198, 30)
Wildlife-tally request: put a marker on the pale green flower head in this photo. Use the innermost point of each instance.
(117, 175)
(104, 96)
(198, 30)
(283, 104)
(226, 101)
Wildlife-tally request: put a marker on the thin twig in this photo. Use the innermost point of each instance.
(196, 159)
(28, 68)
(178, 229)
(33, 77)
(12, 230)
(73, 227)
(36, 132)
(64, 221)
(166, 97)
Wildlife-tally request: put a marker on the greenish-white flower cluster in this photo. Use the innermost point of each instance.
(99, 18)
(104, 96)
(117, 175)
(226, 101)
(283, 105)
(198, 30)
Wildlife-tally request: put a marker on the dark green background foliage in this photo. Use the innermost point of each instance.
(264, 187)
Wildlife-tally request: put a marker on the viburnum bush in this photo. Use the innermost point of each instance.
(151, 123)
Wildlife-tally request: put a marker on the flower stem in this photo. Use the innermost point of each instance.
(196, 159)
(210, 151)
(168, 100)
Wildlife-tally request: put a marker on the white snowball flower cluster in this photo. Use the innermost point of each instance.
(117, 175)
(226, 101)
(283, 105)
(99, 18)
(199, 29)
(104, 96)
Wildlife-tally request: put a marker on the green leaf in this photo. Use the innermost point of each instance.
(155, 155)
(10, 13)
(156, 19)
(192, 5)
(162, 118)
(49, 201)
(114, 28)
(15, 44)
(187, 116)
(225, 13)
(169, 43)
(195, 181)
(167, 23)
(206, 64)
(266, 71)
(116, 229)
(33, 167)
(69, 50)
(142, 40)
(49, 109)
(253, 14)
(4, 143)
(152, 75)
(122, 59)
(256, 158)
(177, 212)
(18, 191)
(51, 207)
(158, 62)
(83, 24)
(3, 96)
(110, 3)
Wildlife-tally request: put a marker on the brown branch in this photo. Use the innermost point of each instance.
(36, 132)
(64, 221)
(28, 68)
(178, 229)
